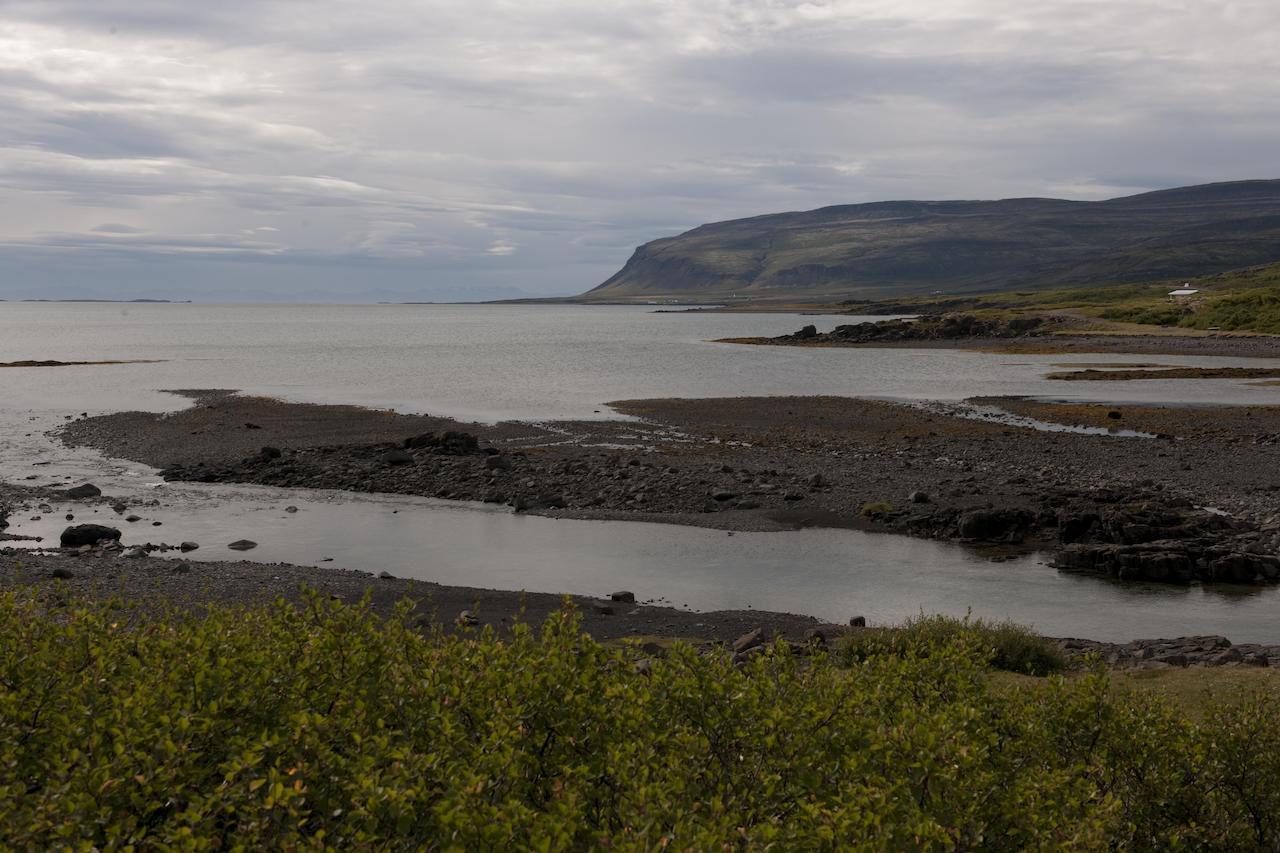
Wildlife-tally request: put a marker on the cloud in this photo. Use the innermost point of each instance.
(466, 143)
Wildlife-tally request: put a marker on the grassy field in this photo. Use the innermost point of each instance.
(1245, 300)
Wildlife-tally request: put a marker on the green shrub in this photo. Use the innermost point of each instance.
(324, 726)
(1007, 646)
(876, 510)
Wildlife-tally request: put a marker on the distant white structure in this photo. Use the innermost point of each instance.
(1184, 291)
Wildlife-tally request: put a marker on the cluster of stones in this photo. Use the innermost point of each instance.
(1180, 652)
(456, 467)
(1169, 543)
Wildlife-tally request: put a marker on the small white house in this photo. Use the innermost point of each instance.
(1184, 291)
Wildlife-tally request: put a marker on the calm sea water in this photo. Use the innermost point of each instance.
(533, 362)
(494, 362)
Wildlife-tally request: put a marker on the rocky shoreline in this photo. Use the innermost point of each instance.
(1198, 504)
(946, 327)
(1025, 334)
(60, 576)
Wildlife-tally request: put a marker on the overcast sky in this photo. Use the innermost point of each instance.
(409, 149)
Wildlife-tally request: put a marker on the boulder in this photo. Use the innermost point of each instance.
(189, 546)
(243, 545)
(749, 640)
(459, 443)
(451, 443)
(396, 457)
(623, 596)
(88, 490)
(1003, 525)
(426, 439)
(814, 637)
(266, 454)
(88, 534)
(61, 574)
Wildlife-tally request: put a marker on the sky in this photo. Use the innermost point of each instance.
(387, 150)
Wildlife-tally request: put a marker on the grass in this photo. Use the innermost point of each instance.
(1193, 691)
(1011, 648)
(1246, 300)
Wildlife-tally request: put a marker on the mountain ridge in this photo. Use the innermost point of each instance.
(904, 247)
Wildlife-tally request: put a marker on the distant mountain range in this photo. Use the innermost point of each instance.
(896, 248)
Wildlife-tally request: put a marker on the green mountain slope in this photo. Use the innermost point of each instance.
(901, 248)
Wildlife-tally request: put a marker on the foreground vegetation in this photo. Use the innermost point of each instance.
(326, 726)
(1246, 300)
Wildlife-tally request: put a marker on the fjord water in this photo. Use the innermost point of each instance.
(491, 362)
(538, 362)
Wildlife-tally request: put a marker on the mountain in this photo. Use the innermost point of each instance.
(896, 248)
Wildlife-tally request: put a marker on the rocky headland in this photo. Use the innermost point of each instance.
(946, 327)
(1038, 333)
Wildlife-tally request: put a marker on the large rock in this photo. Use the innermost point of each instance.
(1170, 561)
(995, 525)
(88, 534)
(88, 490)
(451, 443)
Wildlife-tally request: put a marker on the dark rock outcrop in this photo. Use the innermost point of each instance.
(88, 534)
(1171, 561)
(88, 490)
(995, 525)
(948, 327)
(451, 443)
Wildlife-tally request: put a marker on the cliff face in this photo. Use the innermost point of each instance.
(910, 247)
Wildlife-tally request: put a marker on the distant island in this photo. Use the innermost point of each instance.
(894, 249)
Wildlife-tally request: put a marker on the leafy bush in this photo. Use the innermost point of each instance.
(1007, 646)
(876, 510)
(324, 726)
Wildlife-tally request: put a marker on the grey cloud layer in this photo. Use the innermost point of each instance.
(310, 148)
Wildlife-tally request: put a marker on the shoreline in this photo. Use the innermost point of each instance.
(162, 583)
(1220, 345)
(1102, 501)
